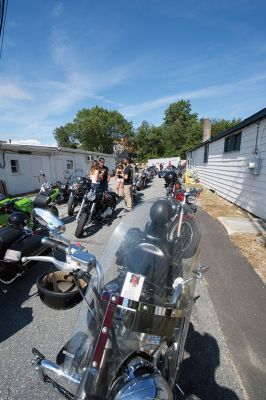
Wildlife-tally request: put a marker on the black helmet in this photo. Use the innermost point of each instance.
(170, 177)
(161, 211)
(17, 219)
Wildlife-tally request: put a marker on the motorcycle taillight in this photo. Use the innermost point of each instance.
(179, 197)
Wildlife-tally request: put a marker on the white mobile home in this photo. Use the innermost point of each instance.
(20, 165)
(233, 163)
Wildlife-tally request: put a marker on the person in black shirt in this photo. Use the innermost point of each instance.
(104, 175)
(128, 180)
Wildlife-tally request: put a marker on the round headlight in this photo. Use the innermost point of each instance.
(91, 196)
(191, 199)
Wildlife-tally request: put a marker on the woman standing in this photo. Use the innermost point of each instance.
(94, 174)
(119, 179)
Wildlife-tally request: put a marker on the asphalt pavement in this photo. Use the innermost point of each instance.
(213, 365)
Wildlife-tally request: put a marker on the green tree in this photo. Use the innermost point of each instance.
(94, 129)
(221, 125)
(66, 136)
(181, 110)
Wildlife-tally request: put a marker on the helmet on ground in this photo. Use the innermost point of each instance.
(161, 211)
(17, 220)
(170, 177)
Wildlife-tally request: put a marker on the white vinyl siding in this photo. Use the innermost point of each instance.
(227, 172)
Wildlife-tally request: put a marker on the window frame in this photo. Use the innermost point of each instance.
(69, 162)
(232, 142)
(17, 171)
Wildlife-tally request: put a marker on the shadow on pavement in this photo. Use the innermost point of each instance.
(14, 310)
(197, 372)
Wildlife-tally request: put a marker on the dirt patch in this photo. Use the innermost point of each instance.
(252, 246)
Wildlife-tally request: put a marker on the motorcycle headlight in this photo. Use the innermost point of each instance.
(191, 199)
(91, 196)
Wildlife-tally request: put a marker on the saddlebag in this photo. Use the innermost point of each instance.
(41, 200)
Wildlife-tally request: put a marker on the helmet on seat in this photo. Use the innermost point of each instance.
(170, 177)
(17, 220)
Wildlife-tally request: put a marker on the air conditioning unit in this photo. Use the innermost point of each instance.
(90, 158)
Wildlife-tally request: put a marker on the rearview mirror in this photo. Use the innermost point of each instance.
(48, 220)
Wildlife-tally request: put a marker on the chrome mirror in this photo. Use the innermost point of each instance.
(48, 220)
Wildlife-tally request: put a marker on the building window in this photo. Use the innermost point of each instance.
(232, 143)
(70, 164)
(206, 153)
(90, 158)
(14, 166)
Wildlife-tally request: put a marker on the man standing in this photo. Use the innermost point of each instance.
(104, 175)
(128, 180)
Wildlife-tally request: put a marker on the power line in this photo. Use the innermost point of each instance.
(2, 23)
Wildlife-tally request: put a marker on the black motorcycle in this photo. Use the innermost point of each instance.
(17, 241)
(76, 188)
(97, 204)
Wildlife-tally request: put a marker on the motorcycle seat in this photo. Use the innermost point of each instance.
(41, 200)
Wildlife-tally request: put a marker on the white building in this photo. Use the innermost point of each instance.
(233, 163)
(20, 165)
(165, 161)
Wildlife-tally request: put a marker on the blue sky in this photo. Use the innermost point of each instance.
(134, 56)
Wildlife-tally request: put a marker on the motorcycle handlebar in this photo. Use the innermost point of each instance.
(54, 244)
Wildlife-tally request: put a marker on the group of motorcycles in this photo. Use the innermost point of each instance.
(136, 300)
(141, 180)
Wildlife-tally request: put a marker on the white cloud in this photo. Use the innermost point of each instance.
(57, 9)
(211, 91)
(10, 90)
(33, 142)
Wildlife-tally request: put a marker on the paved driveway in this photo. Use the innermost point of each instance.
(208, 368)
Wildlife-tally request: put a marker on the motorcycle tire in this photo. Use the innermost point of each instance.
(70, 206)
(82, 221)
(190, 236)
(190, 397)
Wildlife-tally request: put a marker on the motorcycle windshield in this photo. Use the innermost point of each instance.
(131, 303)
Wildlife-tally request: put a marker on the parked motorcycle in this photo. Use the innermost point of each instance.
(16, 241)
(183, 224)
(9, 206)
(129, 338)
(96, 205)
(77, 188)
(47, 198)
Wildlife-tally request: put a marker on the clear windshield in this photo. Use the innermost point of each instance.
(131, 306)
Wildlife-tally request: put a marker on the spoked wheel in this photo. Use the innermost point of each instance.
(189, 235)
(81, 224)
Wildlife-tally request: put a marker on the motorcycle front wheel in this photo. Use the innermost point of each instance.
(82, 221)
(70, 206)
(189, 235)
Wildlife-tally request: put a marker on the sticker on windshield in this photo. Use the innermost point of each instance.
(132, 286)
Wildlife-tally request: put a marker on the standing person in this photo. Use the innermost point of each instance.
(119, 180)
(94, 174)
(128, 180)
(104, 175)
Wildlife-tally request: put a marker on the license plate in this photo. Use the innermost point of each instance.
(12, 255)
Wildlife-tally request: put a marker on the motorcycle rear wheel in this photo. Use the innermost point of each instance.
(81, 224)
(70, 206)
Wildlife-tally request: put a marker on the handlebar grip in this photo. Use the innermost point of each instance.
(54, 244)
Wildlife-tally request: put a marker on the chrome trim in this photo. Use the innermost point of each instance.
(151, 309)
